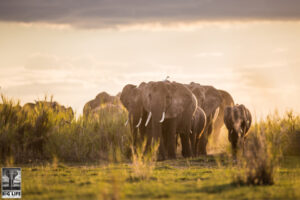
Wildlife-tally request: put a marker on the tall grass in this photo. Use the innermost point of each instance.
(39, 134)
(143, 161)
(266, 144)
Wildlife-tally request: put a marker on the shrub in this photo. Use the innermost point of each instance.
(43, 132)
(265, 145)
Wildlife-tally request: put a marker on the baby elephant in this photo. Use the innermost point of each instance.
(238, 121)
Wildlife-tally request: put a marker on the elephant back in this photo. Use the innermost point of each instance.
(101, 98)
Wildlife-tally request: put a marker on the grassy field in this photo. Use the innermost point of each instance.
(90, 157)
(204, 177)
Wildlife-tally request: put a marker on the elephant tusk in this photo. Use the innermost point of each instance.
(126, 122)
(216, 114)
(240, 133)
(148, 119)
(140, 121)
(162, 118)
(204, 126)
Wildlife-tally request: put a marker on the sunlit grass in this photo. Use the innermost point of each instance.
(174, 179)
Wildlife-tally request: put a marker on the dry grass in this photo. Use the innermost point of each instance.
(143, 161)
(265, 146)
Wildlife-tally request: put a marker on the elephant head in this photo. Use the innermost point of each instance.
(132, 100)
(237, 120)
(165, 100)
(101, 98)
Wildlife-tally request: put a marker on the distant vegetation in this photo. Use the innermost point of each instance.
(43, 133)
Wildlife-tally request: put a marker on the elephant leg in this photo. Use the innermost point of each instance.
(202, 142)
(186, 145)
(193, 142)
(165, 127)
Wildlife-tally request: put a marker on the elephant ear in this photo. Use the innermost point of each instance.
(126, 94)
(228, 117)
(212, 100)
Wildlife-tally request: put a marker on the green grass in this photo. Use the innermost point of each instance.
(176, 179)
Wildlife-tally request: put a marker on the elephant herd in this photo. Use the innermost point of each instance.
(161, 111)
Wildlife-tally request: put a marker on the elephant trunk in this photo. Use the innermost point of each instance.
(158, 116)
(158, 139)
(237, 128)
(158, 109)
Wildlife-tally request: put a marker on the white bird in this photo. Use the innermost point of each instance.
(167, 78)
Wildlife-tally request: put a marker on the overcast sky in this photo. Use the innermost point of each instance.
(76, 49)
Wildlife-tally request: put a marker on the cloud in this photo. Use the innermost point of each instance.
(107, 13)
(210, 54)
(43, 62)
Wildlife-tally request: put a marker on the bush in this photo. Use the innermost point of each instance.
(265, 145)
(43, 132)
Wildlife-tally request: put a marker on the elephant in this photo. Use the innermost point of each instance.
(29, 107)
(227, 100)
(209, 100)
(131, 98)
(237, 120)
(11, 174)
(171, 107)
(101, 98)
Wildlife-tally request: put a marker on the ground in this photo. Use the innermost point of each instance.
(197, 178)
